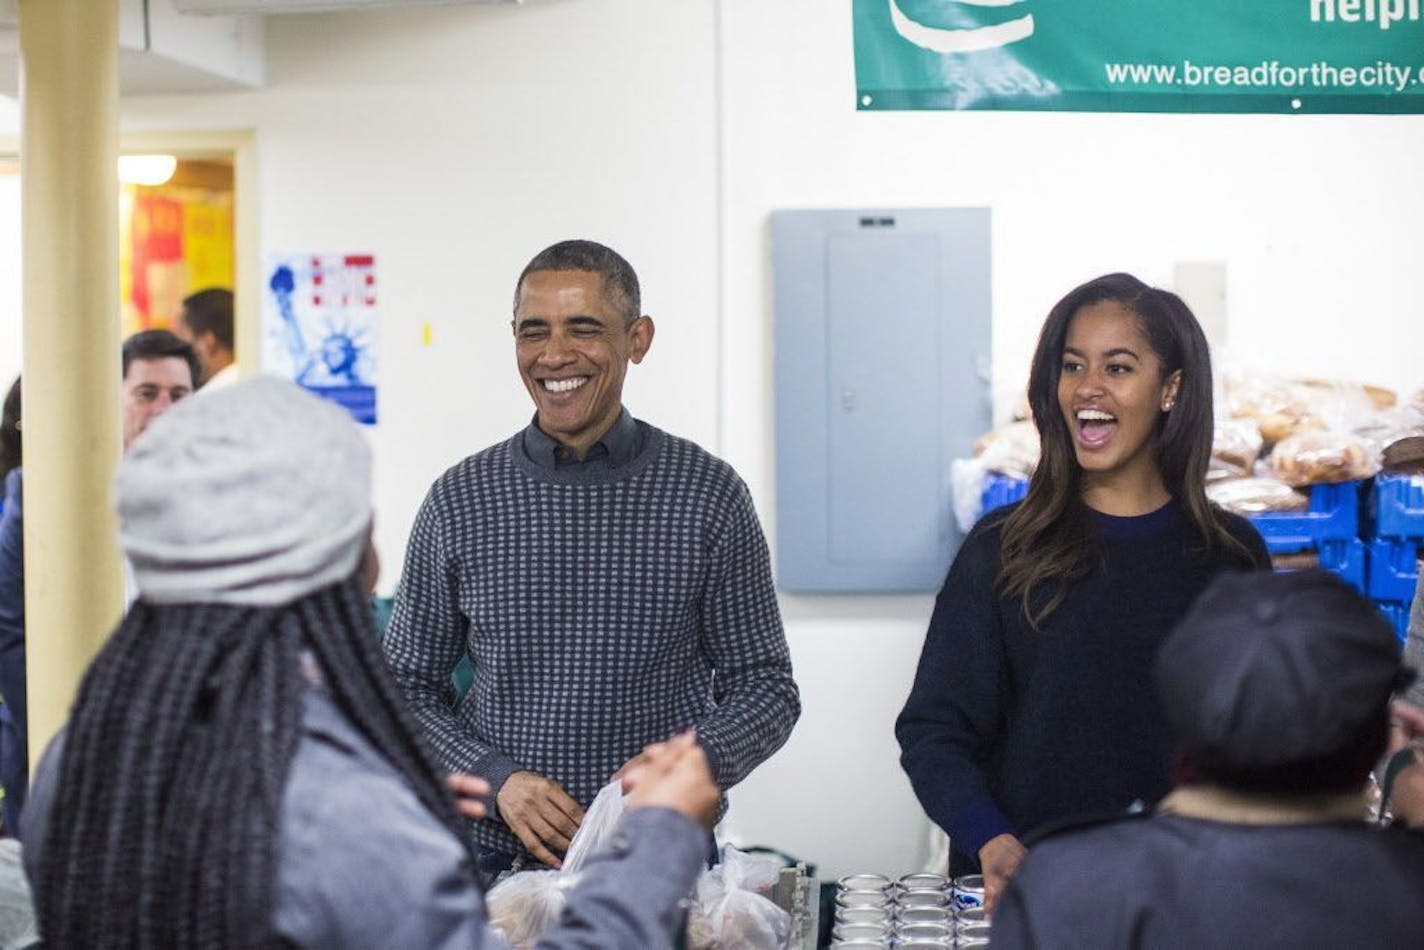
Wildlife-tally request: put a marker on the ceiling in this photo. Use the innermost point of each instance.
(195, 46)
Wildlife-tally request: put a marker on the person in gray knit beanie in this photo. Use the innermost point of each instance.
(240, 769)
(245, 516)
(256, 494)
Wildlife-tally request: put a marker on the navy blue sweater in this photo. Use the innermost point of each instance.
(1008, 728)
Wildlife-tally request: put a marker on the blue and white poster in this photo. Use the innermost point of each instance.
(319, 327)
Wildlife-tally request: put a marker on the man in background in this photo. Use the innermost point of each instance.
(159, 370)
(1277, 689)
(14, 742)
(205, 323)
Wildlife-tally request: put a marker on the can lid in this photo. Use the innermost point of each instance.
(864, 882)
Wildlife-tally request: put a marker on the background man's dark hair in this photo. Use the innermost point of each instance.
(210, 311)
(620, 282)
(10, 454)
(157, 345)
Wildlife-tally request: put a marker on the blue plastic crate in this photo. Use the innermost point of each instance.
(1347, 558)
(1334, 515)
(1398, 507)
(1000, 490)
(1397, 614)
(1394, 569)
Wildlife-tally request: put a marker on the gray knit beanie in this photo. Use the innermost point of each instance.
(255, 494)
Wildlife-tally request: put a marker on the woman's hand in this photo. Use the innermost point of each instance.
(999, 858)
(673, 774)
(470, 792)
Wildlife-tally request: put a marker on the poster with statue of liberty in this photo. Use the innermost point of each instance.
(319, 327)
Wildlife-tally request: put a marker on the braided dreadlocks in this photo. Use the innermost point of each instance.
(166, 821)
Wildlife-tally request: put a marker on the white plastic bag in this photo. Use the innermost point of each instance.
(733, 910)
(527, 904)
(1253, 496)
(966, 481)
(1011, 450)
(18, 927)
(597, 826)
(1315, 458)
(1235, 446)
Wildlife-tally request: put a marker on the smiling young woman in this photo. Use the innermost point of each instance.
(1149, 342)
(1034, 701)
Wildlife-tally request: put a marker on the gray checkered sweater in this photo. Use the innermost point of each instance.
(598, 617)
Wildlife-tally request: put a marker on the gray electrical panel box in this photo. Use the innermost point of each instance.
(882, 379)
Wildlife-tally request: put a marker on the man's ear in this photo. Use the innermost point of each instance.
(642, 332)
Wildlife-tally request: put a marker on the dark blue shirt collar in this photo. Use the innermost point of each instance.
(616, 447)
(1138, 527)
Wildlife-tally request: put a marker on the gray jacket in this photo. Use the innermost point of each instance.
(1172, 882)
(362, 863)
(1414, 645)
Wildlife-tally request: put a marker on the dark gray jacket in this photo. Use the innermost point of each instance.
(1414, 644)
(1175, 882)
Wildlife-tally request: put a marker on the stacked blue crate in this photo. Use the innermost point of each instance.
(1394, 569)
(1000, 490)
(1397, 615)
(1330, 528)
(1399, 506)
(1334, 515)
(1397, 510)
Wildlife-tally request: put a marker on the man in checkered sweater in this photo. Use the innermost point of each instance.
(608, 581)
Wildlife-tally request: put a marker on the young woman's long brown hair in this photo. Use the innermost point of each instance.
(1048, 541)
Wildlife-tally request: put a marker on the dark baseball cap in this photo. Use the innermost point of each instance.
(1268, 670)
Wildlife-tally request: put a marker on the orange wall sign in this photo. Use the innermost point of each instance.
(174, 241)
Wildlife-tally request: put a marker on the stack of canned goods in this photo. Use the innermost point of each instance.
(917, 911)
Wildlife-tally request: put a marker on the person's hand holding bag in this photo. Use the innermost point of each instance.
(674, 774)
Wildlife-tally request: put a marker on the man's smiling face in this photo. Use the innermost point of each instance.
(573, 343)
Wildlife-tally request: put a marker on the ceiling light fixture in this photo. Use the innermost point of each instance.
(146, 169)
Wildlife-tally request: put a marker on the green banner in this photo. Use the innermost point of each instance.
(1321, 56)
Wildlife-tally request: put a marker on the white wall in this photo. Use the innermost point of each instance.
(10, 322)
(10, 288)
(456, 143)
(453, 143)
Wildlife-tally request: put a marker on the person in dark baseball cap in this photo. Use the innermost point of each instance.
(1277, 689)
(1281, 683)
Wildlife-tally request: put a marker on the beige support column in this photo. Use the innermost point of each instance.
(247, 277)
(69, 55)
